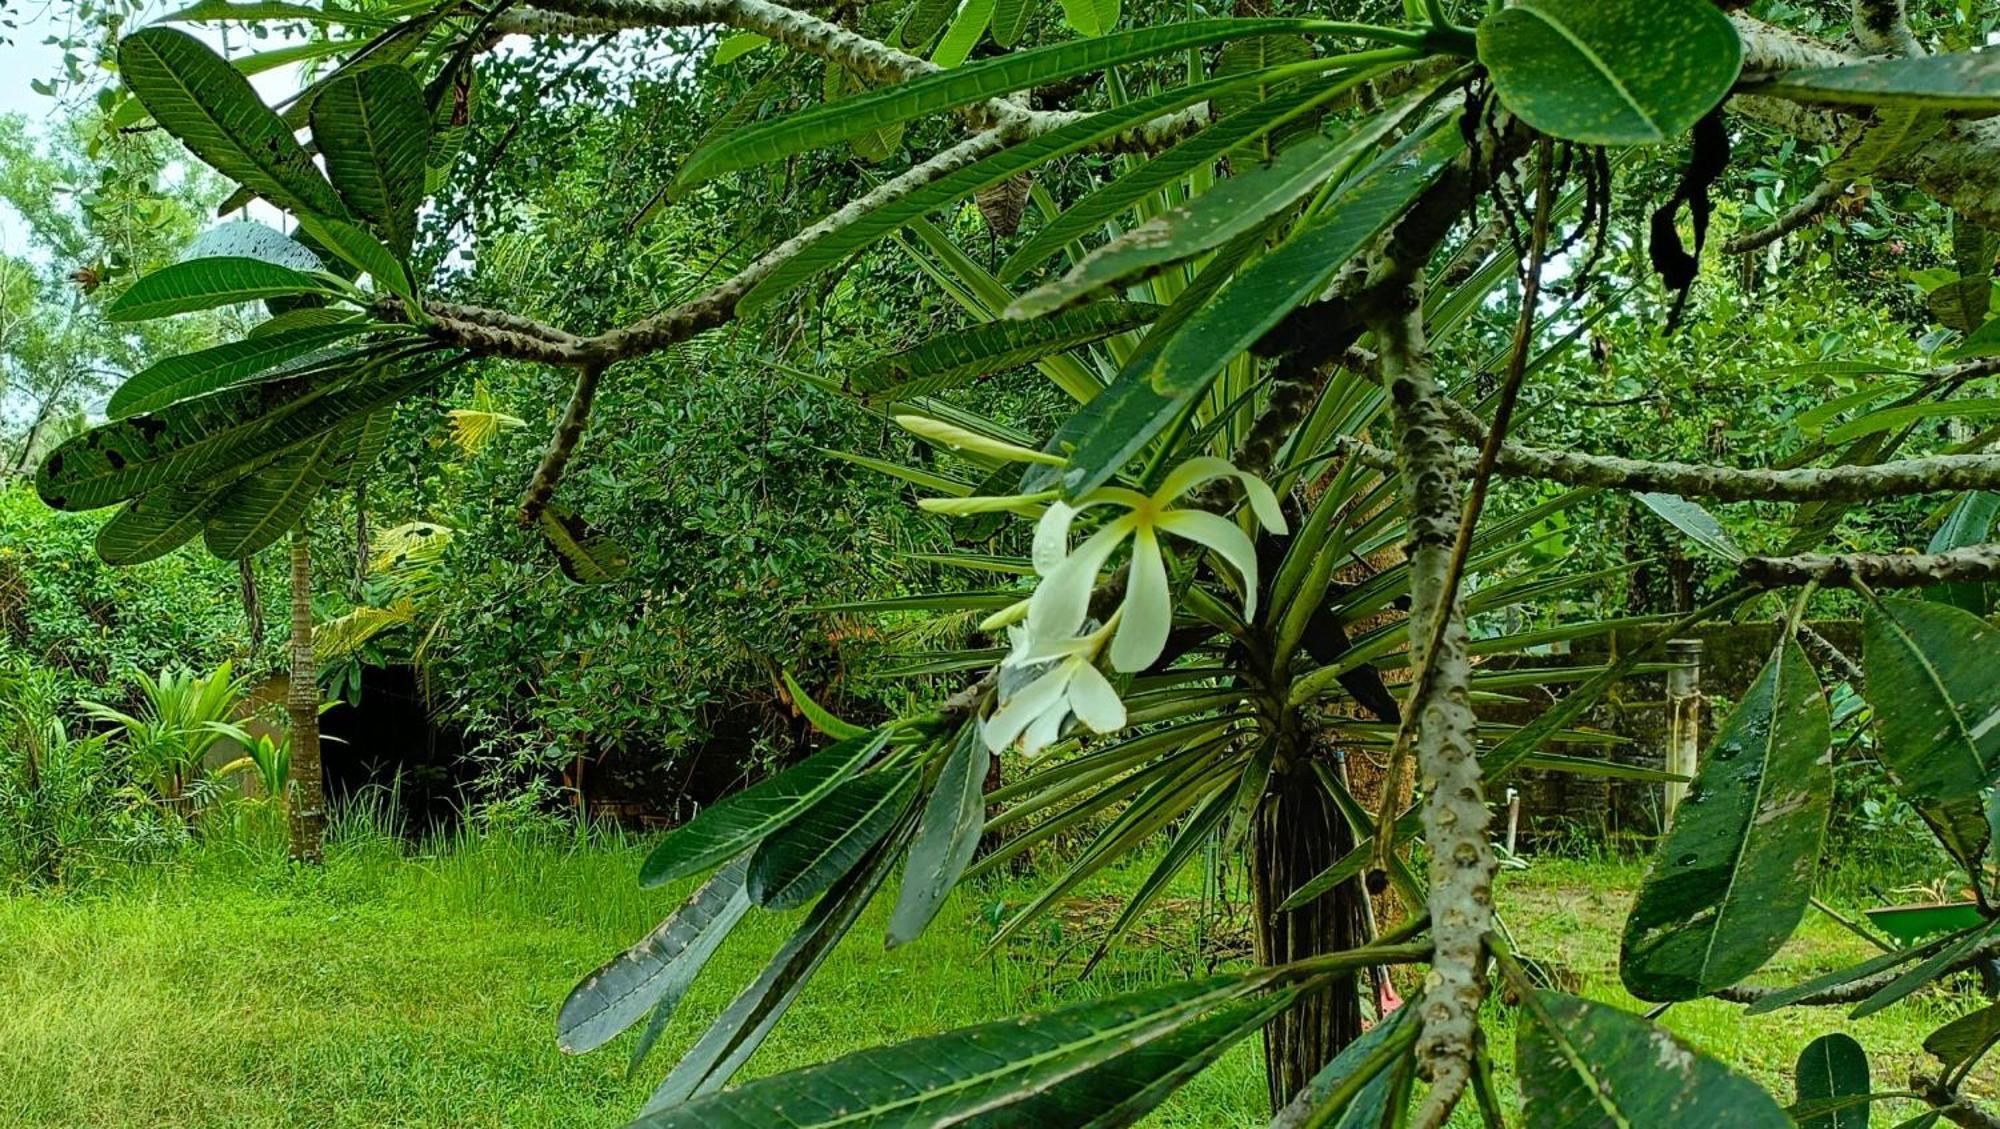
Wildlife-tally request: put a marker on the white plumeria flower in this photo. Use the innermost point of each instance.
(1057, 609)
(1034, 714)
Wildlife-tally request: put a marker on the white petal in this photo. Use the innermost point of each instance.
(1229, 542)
(1045, 730)
(1062, 599)
(1190, 475)
(1263, 502)
(1148, 612)
(1096, 704)
(1029, 703)
(1052, 536)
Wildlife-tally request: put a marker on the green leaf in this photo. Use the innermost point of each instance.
(927, 18)
(1352, 1091)
(1967, 80)
(1090, 17)
(819, 716)
(963, 34)
(735, 47)
(1962, 1042)
(188, 375)
(374, 131)
(584, 555)
(354, 244)
(1011, 19)
(1611, 72)
(203, 284)
(816, 848)
(975, 1072)
(1938, 964)
(1232, 207)
(1831, 1067)
(1730, 882)
(743, 820)
(248, 239)
(1694, 520)
(1969, 523)
(153, 525)
(935, 93)
(208, 104)
(1585, 1064)
(266, 504)
(952, 359)
(1844, 976)
(947, 837)
(1937, 708)
(1159, 380)
(1983, 342)
(655, 972)
(1890, 419)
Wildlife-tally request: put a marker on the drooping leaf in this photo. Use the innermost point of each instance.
(926, 19)
(1930, 678)
(1838, 978)
(266, 504)
(1969, 523)
(1010, 20)
(1352, 1091)
(964, 33)
(199, 98)
(1090, 17)
(154, 525)
(1585, 1064)
(947, 837)
(653, 973)
(188, 375)
(821, 718)
(1694, 520)
(976, 1075)
(1611, 72)
(584, 555)
(1730, 882)
(935, 93)
(357, 246)
(204, 284)
(1832, 1067)
(736, 46)
(817, 847)
(1965, 80)
(951, 359)
(733, 825)
(374, 131)
(1938, 964)
(1964, 1040)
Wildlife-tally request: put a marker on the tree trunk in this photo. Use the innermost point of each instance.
(1298, 834)
(308, 799)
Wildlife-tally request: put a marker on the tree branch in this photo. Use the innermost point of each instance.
(1875, 570)
(1854, 991)
(1882, 27)
(548, 475)
(1796, 217)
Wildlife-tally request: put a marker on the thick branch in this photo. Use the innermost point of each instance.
(1854, 991)
(1882, 27)
(1976, 563)
(1951, 1104)
(548, 475)
(1938, 474)
(1796, 217)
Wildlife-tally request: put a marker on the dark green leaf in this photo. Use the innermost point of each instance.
(372, 127)
(266, 504)
(1937, 965)
(741, 821)
(934, 93)
(1965, 80)
(1352, 1091)
(947, 837)
(203, 284)
(355, 245)
(188, 375)
(1833, 1066)
(248, 239)
(584, 555)
(1694, 520)
(208, 104)
(1730, 882)
(1010, 20)
(1844, 976)
(954, 358)
(1930, 678)
(154, 525)
(1611, 72)
(655, 972)
(1969, 523)
(1585, 1064)
(1962, 1041)
(821, 844)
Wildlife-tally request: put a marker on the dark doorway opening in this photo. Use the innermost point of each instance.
(389, 745)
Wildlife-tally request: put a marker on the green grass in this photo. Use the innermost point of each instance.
(419, 990)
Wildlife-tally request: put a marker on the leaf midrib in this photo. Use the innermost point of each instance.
(1597, 61)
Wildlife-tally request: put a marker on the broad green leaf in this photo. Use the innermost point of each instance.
(203, 284)
(935, 93)
(1611, 72)
(1585, 1065)
(954, 358)
(816, 848)
(1969, 523)
(188, 375)
(1983, 342)
(1159, 381)
(248, 239)
(742, 1027)
(1893, 130)
(733, 825)
(266, 504)
(1090, 17)
(1962, 1041)
(1961, 303)
(655, 972)
(154, 525)
(951, 1079)
(374, 131)
(1197, 153)
(927, 18)
(1262, 53)
(1352, 1091)
(947, 837)
(963, 34)
(1693, 519)
(584, 555)
(356, 245)
(1891, 419)
(1966, 80)
(1832, 1067)
(1730, 881)
(208, 104)
(1011, 18)
(1930, 678)
(735, 47)
(1233, 206)
(821, 718)
(196, 440)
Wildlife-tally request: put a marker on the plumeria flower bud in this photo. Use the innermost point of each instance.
(1027, 505)
(938, 431)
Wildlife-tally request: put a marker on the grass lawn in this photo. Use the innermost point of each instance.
(394, 990)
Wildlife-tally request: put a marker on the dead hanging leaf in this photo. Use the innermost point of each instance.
(1003, 204)
(585, 555)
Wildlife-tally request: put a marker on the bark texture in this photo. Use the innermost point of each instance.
(308, 800)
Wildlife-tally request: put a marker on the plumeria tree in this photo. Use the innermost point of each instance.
(1297, 213)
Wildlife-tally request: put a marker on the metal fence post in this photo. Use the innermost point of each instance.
(1683, 716)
